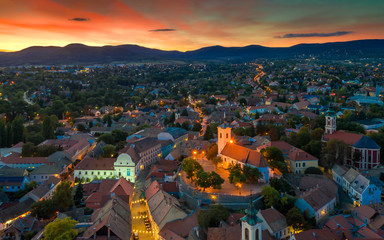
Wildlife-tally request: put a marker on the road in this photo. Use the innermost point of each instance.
(139, 208)
(26, 99)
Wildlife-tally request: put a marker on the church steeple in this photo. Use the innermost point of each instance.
(251, 224)
(330, 120)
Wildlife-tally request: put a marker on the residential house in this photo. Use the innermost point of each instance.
(113, 220)
(360, 189)
(9, 215)
(44, 191)
(107, 189)
(274, 222)
(21, 226)
(297, 160)
(143, 152)
(162, 208)
(317, 202)
(179, 229)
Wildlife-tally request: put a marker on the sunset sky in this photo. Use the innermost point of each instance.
(187, 24)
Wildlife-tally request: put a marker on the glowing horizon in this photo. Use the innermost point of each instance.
(185, 24)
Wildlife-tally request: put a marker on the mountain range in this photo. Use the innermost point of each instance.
(82, 54)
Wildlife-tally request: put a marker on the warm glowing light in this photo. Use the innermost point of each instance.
(231, 141)
(194, 152)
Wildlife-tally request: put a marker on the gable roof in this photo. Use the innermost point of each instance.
(347, 137)
(115, 214)
(96, 164)
(339, 170)
(164, 208)
(317, 198)
(350, 175)
(275, 220)
(179, 229)
(244, 155)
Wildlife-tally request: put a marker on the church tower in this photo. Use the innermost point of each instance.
(330, 121)
(251, 225)
(224, 135)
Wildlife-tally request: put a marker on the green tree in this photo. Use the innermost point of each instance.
(213, 216)
(275, 159)
(18, 129)
(107, 119)
(273, 154)
(317, 134)
(281, 185)
(45, 150)
(119, 135)
(212, 151)
(197, 127)
(58, 108)
(81, 128)
(45, 209)
(35, 138)
(3, 136)
(243, 102)
(191, 167)
(252, 174)
(9, 135)
(61, 229)
(185, 125)
(208, 135)
(236, 175)
(313, 170)
(109, 151)
(203, 179)
(216, 180)
(108, 138)
(48, 131)
(303, 137)
(271, 196)
(63, 195)
(296, 219)
(78, 194)
(184, 113)
(334, 152)
(28, 149)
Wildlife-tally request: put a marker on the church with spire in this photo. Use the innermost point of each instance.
(364, 151)
(232, 153)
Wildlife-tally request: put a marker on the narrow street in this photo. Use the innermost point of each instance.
(139, 209)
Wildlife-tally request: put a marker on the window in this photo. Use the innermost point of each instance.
(303, 164)
(246, 234)
(105, 173)
(226, 135)
(257, 234)
(221, 135)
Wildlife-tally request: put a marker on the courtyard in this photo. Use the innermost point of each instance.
(226, 188)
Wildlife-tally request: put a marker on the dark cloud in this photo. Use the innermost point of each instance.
(304, 35)
(78, 19)
(163, 30)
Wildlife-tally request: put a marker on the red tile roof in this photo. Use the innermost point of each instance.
(347, 137)
(179, 229)
(152, 190)
(96, 164)
(24, 160)
(244, 155)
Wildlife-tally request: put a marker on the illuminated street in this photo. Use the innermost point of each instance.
(139, 209)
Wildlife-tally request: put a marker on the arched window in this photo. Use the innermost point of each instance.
(257, 234)
(246, 234)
